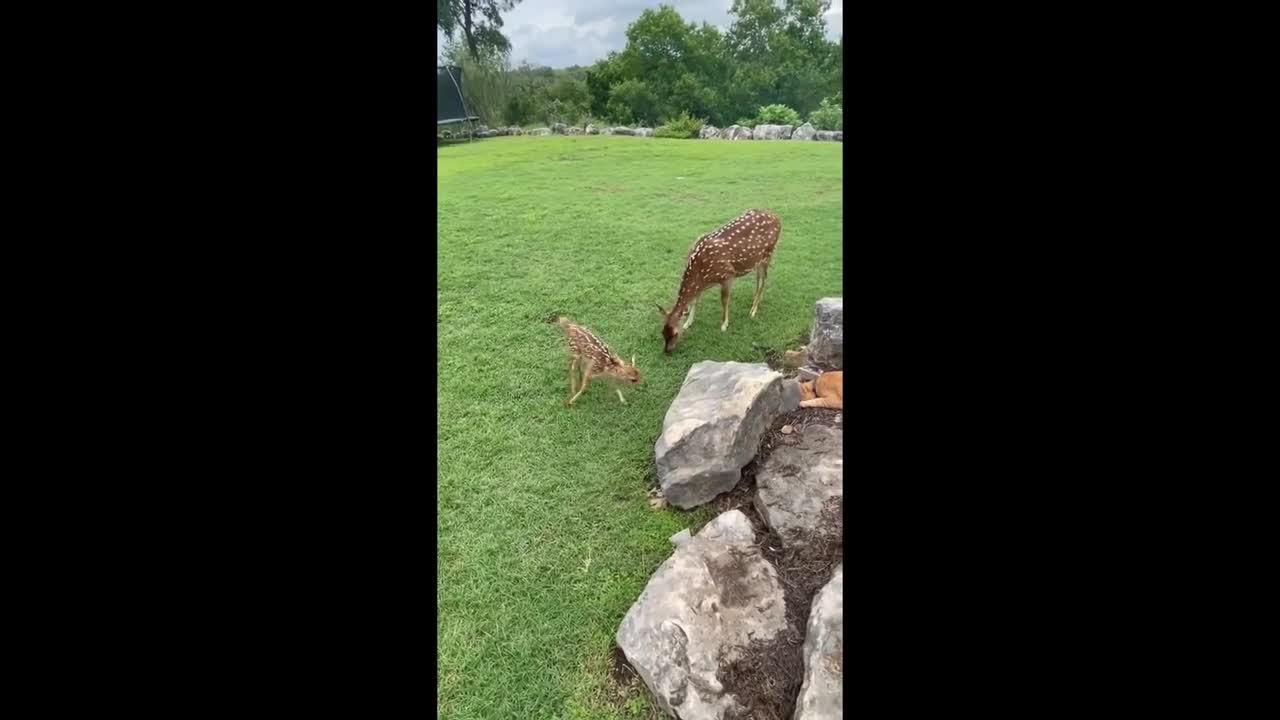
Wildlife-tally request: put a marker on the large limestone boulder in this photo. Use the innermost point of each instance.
(738, 132)
(709, 132)
(574, 131)
(821, 695)
(540, 131)
(644, 132)
(559, 128)
(804, 132)
(798, 482)
(513, 130)
(773, 132)
(623, 131)
(826, 340)
(592, 129)
(703, 606)
(714, 427)
(826, 135)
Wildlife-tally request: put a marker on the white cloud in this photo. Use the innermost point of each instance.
(560, 33)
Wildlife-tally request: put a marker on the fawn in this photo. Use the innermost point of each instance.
(743, 244)
(825, 392)
(589, 356)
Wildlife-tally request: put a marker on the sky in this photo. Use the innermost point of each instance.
(560, 33)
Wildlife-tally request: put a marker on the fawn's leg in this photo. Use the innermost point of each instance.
(762, 272)
(573, 377)
(688, 319)
(724, 303)
(586, 380)
(624, 400)
(824, 402)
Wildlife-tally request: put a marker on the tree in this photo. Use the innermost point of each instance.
(480, 22)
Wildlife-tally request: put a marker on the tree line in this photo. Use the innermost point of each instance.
(774, 63)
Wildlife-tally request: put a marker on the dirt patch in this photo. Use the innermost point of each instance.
(766, 679)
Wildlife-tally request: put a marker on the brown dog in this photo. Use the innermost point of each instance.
(825, 392)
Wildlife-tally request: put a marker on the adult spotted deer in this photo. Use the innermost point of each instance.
(589, 357)
(743, 244)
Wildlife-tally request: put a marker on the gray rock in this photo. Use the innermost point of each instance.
(606, 131)
(540, 131)
(558, 128)
(791, 394)
(826, 340)
(513, 130)
(772, 132)
(795, 484)
(709, 132)
(821, 695)
(711, 598)
(825, 135)
(574, 131)
(839, 136)
(623, 131)
(714, 426)
(592, 129)
(807, 373)
(804, 132)
(738, 132)
(644, 132)
(680, 538)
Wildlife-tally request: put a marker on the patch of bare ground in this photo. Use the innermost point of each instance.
(766, 679)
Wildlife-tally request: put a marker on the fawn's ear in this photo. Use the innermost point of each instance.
(661, 311)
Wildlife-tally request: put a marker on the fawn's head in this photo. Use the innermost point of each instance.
(630, 373)
(670, 329)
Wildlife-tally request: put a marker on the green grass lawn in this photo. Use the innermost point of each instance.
(545, 536)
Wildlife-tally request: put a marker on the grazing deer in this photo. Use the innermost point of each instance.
(589, 356)
(743, 244)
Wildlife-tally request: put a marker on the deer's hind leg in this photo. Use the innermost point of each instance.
(573, 378)
(586, 380)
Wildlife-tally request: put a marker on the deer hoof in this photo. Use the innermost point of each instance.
(724, 327)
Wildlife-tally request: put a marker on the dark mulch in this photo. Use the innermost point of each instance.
(766, 680)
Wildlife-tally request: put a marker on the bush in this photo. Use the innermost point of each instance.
(681, 126)
(829, 115)
(777, 115)
(747, 122)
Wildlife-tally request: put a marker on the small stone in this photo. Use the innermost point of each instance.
(787, 429)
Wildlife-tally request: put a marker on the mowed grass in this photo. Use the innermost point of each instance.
(544, 533)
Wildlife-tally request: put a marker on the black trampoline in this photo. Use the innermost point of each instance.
(450, 107)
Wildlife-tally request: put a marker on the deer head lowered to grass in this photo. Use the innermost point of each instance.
(589, 357)
(743, 244)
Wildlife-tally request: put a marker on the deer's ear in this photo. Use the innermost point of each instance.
(661, 311)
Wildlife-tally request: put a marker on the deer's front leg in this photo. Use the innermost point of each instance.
(688, 319)
(724, 304)
(624, 400)
(762, 272)
(586, 380)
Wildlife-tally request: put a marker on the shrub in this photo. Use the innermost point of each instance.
(747, 122)
(681, 126)
(829, 115)
(777, 115)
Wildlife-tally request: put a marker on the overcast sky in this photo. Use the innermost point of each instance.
(560, 33)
